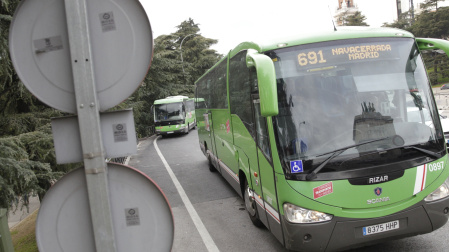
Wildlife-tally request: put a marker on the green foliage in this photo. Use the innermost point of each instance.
(403, 22)
(19, 176)
(437, 65)
(13, 95)
(356, 19)
(430, 5)
(433, 22)
(13, 124)
(27, 157)
(28, 166)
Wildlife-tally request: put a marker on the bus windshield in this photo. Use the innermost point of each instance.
(343, 93)
(168, 112)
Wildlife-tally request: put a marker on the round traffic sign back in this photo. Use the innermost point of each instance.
(121, 44)
(141, 214)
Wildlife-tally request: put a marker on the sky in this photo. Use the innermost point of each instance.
(234, 21)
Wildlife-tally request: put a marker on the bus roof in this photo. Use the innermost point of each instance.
(342, 32)
(172, 99)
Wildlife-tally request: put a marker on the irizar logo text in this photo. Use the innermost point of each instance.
(378, 179)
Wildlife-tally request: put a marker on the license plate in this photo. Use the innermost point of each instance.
(380, 228)
(170, 132)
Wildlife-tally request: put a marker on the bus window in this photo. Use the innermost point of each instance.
(240, 89)
(261, 130)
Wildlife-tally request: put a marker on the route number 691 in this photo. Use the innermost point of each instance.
(311, 58)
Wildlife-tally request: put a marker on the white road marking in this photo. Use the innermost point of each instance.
(207, 239)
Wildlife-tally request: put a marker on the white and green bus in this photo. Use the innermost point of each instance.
(174, 114)
(315, 133)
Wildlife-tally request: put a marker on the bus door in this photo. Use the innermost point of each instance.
(212, 156)
(264, 183)
(224, 146)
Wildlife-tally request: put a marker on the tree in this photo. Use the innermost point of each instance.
(356, 19)
(27, 157)
(433, 24)
(197, 55)
(430, 5)
(403, 22)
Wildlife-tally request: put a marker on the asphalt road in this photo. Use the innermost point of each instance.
(224, 224)
(227, 226)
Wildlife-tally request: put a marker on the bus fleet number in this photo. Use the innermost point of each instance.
(311, 58)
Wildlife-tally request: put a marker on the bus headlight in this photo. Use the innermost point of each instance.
(440, 192)
(298, 214)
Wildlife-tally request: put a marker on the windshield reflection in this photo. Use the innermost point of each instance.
(169, 112)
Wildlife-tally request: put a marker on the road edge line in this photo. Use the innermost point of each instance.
(205, 236)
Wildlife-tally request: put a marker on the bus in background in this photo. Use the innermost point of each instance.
(174, 114)
(315, 134)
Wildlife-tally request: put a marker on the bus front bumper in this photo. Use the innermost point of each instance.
(345, 233)
(171, 132)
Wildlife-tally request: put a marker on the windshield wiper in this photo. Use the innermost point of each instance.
(335, 153)
(428, 152)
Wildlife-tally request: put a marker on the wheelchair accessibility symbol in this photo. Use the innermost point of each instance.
(296, 166)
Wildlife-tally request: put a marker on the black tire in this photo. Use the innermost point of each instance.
(251, 207)
(211, 166)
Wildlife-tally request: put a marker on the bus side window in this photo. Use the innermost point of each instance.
(240, 83)
(262, 132)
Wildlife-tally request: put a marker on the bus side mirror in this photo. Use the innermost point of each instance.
(430, 44)
(266, 78)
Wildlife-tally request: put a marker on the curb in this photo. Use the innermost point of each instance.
(15, 224)
(15, 217)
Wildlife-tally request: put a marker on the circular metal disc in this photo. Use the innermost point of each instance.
(121, 44)
(141, 214)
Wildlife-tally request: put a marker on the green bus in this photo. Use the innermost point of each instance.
(314, 134)
(174, 114)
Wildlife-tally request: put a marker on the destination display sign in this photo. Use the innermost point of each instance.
(317, 57)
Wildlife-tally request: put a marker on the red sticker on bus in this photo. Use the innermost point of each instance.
(322, 190)
(228, 126)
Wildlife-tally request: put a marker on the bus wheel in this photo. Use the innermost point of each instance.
(250, 205)
(211, 166)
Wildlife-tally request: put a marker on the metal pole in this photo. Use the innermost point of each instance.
(5, 236)
(180, 48)
(89, 124)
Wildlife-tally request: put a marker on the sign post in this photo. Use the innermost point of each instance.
(89, 123)
(5, 236)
